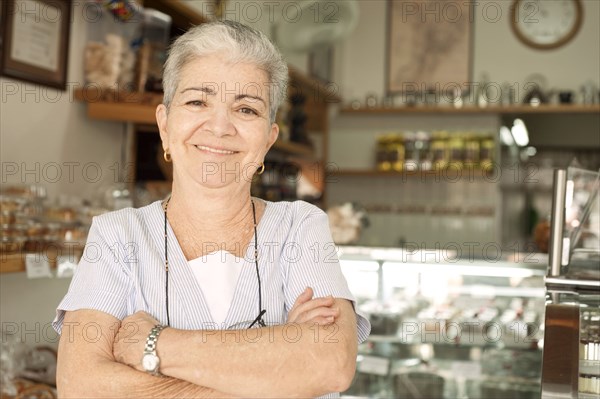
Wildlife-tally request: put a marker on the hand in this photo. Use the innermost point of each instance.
(130, 341)
(308, 310)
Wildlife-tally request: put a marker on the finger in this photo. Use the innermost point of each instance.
(304, 297)
(310, 305)
(318, 312)
(322, 321)
(307, 306)
(315, 303)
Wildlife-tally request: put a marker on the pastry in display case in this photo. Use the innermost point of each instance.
(446, 327)
(29, 224)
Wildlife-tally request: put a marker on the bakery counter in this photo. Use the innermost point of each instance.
(447, 326)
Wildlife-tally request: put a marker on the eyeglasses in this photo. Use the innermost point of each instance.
(259, 319)
(248, 324)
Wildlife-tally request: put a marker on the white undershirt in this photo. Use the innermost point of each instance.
(217, 274)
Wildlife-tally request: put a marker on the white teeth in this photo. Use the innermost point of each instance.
(204, 148)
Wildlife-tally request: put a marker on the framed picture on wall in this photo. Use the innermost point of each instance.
(35, 41)
(2, 23)
(428, 45)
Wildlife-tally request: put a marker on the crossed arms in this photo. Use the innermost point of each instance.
(314, 353)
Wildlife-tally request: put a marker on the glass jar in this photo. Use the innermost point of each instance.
(153, 53)
(398, 153)
(381, 154)
(411, 153)
(112, 42)
(486, 153)
(472, 150)
(440, 156)
(422, 145)
(456, 147)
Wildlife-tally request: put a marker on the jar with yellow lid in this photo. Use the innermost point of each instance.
(486, 153)
(456, 148)
(397, 153)
(472, 150)
(440, 156)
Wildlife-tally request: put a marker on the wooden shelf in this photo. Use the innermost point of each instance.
(119, 106)
(509, 110)
(450, 174)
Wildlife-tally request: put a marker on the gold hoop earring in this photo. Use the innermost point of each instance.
(167, 156)
(261, 170)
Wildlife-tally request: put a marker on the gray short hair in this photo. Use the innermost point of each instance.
(241, 44)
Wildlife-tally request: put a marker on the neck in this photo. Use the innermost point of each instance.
(208, 208)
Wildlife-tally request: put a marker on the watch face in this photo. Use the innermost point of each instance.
(546, 23)
(150, 362)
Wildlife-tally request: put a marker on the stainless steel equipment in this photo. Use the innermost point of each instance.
(571, 356)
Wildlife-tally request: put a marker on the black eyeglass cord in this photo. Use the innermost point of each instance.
(167, 265)
(261, 311)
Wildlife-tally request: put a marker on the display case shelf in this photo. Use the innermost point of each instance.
(395, 339)
(460, 173)
(589, 367)
(469, 110)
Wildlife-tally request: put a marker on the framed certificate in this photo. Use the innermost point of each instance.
(35, 41)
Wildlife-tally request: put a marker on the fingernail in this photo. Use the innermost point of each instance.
(330, 319)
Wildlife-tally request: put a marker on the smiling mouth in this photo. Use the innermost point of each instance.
(214, 150)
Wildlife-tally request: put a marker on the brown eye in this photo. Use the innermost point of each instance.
(196, 103)
(249, 111)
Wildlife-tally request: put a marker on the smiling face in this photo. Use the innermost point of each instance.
(217, 128)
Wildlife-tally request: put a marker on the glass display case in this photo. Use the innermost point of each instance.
(571, 361)
(447, 325)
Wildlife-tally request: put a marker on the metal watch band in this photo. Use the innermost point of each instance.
(153, 338)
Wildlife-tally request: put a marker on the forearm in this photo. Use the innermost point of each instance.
(87, 367)
(298, 360)
(114, 380)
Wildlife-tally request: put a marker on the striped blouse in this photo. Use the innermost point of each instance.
(122, 270)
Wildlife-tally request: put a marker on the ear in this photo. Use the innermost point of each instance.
(273, 134)
(161, 120)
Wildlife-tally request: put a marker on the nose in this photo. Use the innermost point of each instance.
(219, 122)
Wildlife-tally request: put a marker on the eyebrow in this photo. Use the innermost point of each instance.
(210, 91)
(243, 96)
(207, 90)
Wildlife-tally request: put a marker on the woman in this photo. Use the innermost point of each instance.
(168, 290)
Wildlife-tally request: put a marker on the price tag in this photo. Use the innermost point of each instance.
(374, 365)
(37, 266)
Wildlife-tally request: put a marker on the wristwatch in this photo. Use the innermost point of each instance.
(150, 360)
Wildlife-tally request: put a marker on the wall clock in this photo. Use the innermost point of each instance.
(546, 24)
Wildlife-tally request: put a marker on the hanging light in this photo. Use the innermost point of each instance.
(519, 133)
